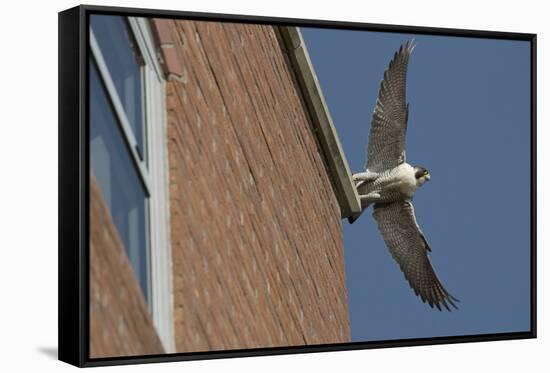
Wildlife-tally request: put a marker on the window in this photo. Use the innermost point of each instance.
(113, 166)
(125, 65)
(128, 154)
(116, 136)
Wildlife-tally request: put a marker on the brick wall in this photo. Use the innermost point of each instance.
(255, 226)
(120, 324)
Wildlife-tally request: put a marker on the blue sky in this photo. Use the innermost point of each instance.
(469, 126)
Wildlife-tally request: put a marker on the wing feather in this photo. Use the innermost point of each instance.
(409, 247)
(386, 148)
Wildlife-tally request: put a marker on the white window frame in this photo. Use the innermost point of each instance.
(153, 171)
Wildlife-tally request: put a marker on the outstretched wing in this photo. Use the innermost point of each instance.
(408, 246)
(386, 148)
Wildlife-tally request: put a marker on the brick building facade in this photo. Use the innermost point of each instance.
(253, 205)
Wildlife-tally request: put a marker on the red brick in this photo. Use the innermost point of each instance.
(120, 323)
(255, 226)
(162, 30)
(171, 61)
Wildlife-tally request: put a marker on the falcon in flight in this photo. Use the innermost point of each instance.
(389, 183)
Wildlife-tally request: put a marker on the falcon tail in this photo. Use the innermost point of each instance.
(352, 219)
(364, 206)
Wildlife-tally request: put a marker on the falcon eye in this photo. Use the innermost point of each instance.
(426, 172)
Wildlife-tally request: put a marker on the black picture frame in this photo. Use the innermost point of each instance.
(74, 185)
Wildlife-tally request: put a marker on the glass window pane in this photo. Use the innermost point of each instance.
(116, 174)
(125, 65)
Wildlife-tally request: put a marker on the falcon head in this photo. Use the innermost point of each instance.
(421, 174)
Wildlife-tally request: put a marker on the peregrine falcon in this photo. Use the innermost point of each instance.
(389, 183)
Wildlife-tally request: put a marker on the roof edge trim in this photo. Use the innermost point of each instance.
(323, 127)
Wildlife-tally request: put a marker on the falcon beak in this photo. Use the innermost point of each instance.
(428, 177)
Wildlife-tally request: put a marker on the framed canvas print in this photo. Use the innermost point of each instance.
(237, 186)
